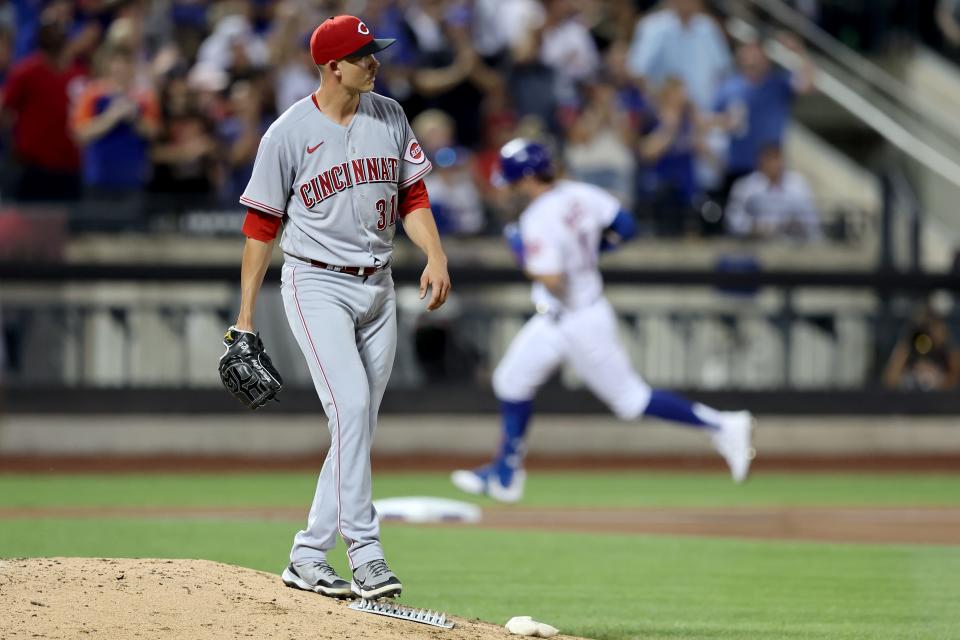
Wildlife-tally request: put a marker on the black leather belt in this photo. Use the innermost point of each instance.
(353, 271)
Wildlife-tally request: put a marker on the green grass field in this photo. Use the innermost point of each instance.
(600, 586)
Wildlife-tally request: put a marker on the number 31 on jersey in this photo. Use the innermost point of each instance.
(384, 220)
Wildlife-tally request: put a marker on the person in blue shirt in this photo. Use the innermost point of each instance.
(671, 142)
(681, 40)
(755, 103)
(115, 122)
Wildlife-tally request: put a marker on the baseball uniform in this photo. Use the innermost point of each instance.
(337, 188)
(562, 231)
(561, 234)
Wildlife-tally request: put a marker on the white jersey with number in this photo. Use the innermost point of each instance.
(561, 232)
(337, 185)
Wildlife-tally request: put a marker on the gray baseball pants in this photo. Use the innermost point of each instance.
(346, 326)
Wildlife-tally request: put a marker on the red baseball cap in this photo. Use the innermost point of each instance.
(344, 37)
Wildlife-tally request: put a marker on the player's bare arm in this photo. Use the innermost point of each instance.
(421, 228)
(246, 371)
(256, 259)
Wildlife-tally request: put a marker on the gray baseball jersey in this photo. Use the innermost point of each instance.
(337, 185)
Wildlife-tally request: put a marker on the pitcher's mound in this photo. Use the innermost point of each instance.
(191, 599)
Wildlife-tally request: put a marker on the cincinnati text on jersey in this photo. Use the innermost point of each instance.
(347, 175)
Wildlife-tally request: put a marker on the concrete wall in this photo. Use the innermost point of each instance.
(463, 435)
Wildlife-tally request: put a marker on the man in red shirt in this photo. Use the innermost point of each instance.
(37, 96)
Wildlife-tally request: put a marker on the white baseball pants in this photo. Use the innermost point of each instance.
(587, 339)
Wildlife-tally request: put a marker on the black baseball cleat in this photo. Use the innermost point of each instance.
(319, 577)
(375, 580)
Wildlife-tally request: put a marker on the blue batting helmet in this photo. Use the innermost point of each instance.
(521, 157)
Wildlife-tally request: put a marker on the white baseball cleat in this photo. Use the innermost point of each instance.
(485, 481)
(734, 441)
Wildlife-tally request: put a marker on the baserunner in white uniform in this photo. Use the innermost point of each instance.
(339, 169)
(561, 233)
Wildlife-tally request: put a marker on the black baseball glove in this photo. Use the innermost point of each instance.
(246, 370)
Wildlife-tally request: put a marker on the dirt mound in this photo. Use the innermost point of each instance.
(189, 599)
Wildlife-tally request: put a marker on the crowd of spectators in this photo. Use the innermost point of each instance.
(134, 107)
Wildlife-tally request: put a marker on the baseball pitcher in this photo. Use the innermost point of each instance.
(338, 170)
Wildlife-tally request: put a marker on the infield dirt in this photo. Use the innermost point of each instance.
(60, 598)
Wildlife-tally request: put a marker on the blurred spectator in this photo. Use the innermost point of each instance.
(124, 23)
(567, 47)
(185, 154)
(187, 23)
(531, 84)
(612, 21)
(671, 140)
(37, 97)
(26, 26)
(114, 123)
(454, 198)
(295, 74)
(208, 86)
(925, 358)
(498, 126)
(449, 74)
(296, 77)
(754, 104)
(260, 13)
(386, 19)
(128, 31)
(498, 26)
(499, 67)
(83, 26)
(681, 41)
(773, 202)
(240, 133)
(233, 47)
(630, 95)
(601, 141)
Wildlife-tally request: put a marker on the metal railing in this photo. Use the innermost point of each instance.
(922, 132)
(874, 76)
(147, 326)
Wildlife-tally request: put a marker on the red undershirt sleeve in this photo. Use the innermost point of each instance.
(264, 226)
(412, 198)
(261, 226)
